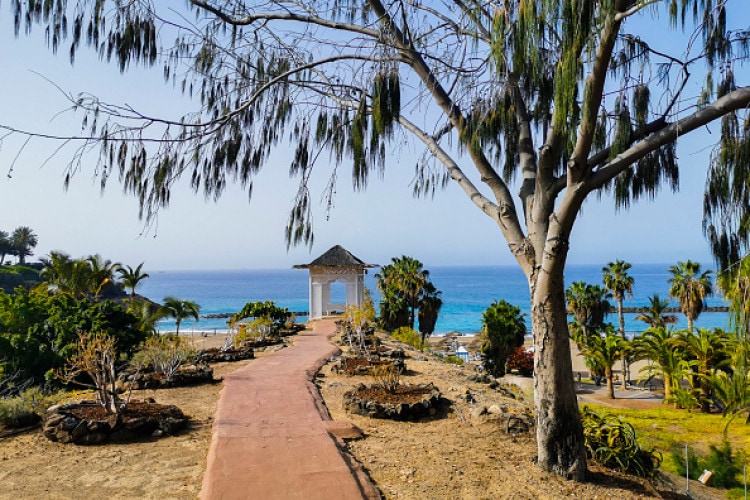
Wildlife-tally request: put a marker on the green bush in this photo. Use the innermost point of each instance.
(611, 442)
(408, 336)
(678, 458)
(27, 408)
(722, 462)
(453, 360)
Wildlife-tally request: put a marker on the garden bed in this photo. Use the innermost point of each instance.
(361, 365)
(186, 375)
(404, 402)
(86, 422)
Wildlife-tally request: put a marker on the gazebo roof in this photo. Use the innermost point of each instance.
(336, 256)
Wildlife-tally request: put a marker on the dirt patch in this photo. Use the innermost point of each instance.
(468, 452)
(461, 455)
(33, 467)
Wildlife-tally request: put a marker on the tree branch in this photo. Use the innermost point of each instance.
(287, 16)
(732, 101)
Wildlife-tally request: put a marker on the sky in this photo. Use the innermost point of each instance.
(382, 222)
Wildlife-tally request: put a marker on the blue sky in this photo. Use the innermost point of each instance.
(382, 222)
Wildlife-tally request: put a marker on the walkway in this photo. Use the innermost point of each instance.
(272, 436)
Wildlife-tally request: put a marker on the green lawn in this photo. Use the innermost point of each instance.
(667, 429)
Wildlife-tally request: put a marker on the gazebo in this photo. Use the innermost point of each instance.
(337, 264)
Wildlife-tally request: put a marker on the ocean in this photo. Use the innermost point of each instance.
(466, 293)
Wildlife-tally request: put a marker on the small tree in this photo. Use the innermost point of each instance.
(602, 352)
(23, 241)
(131, 278)
(503, 331)
(94, 359)
(358, 319)
(429, 308)
(180, 309)
(690, 287)
(6, 246)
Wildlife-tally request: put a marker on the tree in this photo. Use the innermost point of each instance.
(101, 274)
(503, 330)
(560, 97)
(180, 309)
(402, 284)
(131, 278)
(705, 351)
(23, 240)
(657, 313)
(430, 304)
(690, 287)
(735, 284)
(601, 352)
(589, 305)
(620, 283)
(6, 246)
(659, 345)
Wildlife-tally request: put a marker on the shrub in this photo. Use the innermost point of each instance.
(386, 377)
(408, 336)
(165, 354)
(721, 461)
(678, 458)
(522, 361)
(453, 360)
(26, 408)
(93, 366)
(611, 442)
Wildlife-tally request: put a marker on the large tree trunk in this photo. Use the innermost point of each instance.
(559, 431)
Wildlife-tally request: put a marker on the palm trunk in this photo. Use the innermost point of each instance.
(610, 382)
(621, 321)
(560, 444)
(667, 386)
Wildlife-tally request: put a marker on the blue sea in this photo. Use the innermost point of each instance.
(466, 293)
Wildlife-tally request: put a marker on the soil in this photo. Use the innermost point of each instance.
(455, 455)
(408, 394)
(133, 408)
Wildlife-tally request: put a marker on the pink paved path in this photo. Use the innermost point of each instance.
(270, 437)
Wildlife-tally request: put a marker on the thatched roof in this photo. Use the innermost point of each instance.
(337, 256)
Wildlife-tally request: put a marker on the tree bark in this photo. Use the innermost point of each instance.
(559, 431)
(610, 382)
(621, 324)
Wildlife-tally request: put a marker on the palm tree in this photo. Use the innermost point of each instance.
(64, 275)
(6, 246)
(659, 345)
(690, 287)
(617, 280)
(180, 309)
(503, 330)
(23, 241)
(101, 274)
(602, 352)
(430, 304)
(706, 351)
(735, 284)
(589, 305)
(131, 277)
(657, 313)
(401, 285)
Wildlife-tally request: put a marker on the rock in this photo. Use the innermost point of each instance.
(478, 411)
(63, 426)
